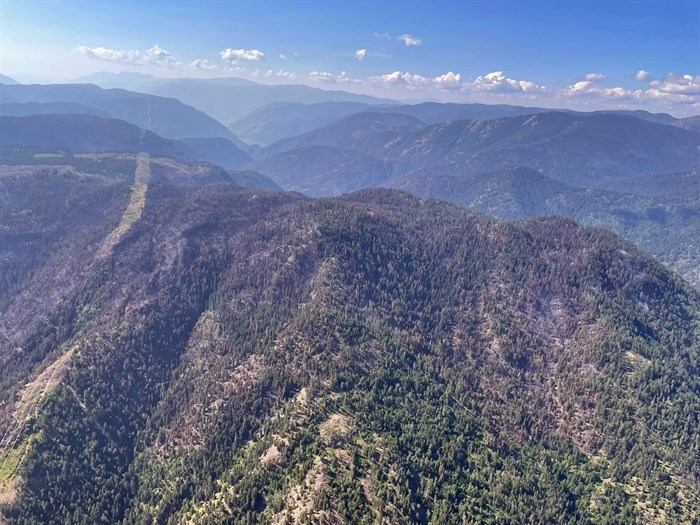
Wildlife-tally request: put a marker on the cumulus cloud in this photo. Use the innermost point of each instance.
(642, 75)
(283, 57)
(286, 75)
(595, 77)
(410, 40)
(678, 84)
(449, 80)
(382, 35)
(588, 87)
(675, 89)
(361, 54)
(402, 79)
(202, 64)
(237, 69)
(155, 56)
(322, 76)
(236, 55)
(498, 82)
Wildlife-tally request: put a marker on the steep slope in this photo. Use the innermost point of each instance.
(283, 120)
(319, 171)
(248, 357)
(167, 117)
(219, 151)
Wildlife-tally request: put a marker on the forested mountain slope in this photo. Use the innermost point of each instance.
(221, 355)
(660, 213)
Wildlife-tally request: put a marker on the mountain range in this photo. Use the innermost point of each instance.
(373, 313)
(85, 133)
(165, 116)
(227, 99)
(223, 355)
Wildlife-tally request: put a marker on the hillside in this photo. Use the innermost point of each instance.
(368, 133)
(221, 355)
(167, 117)
(218, 150)
(284, 120)
(84, 134)
(658, 213)
(580, 151)
(319, 171)
(584, 151)
(59, 134)
(43, 108)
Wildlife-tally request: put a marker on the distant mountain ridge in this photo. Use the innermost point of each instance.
(167, 117)
(82, 133)
(230, 99)
(43, 108)
(369, 133)
(4, 79)
(285, 120)
(86, 134)
(581, 151)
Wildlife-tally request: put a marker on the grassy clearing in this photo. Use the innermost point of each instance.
(137, 201)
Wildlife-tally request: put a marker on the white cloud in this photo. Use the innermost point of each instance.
(155, 56)
(344, 78)
(588, 87)
(642, 75)
(497, 82)
(286, 75)
(382, 35)
(361, 54)
(283, 57)
(410, 40)
(202, 64)
(449, 80)
(402, 79)
(237, 69)
(322, 76)
(678, 84)
(579, 87)
(236, 55)
(595, 77)
(675, 89)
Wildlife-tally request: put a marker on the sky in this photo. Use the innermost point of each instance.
(581, 54)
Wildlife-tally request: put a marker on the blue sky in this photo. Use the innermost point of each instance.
(553, 53)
